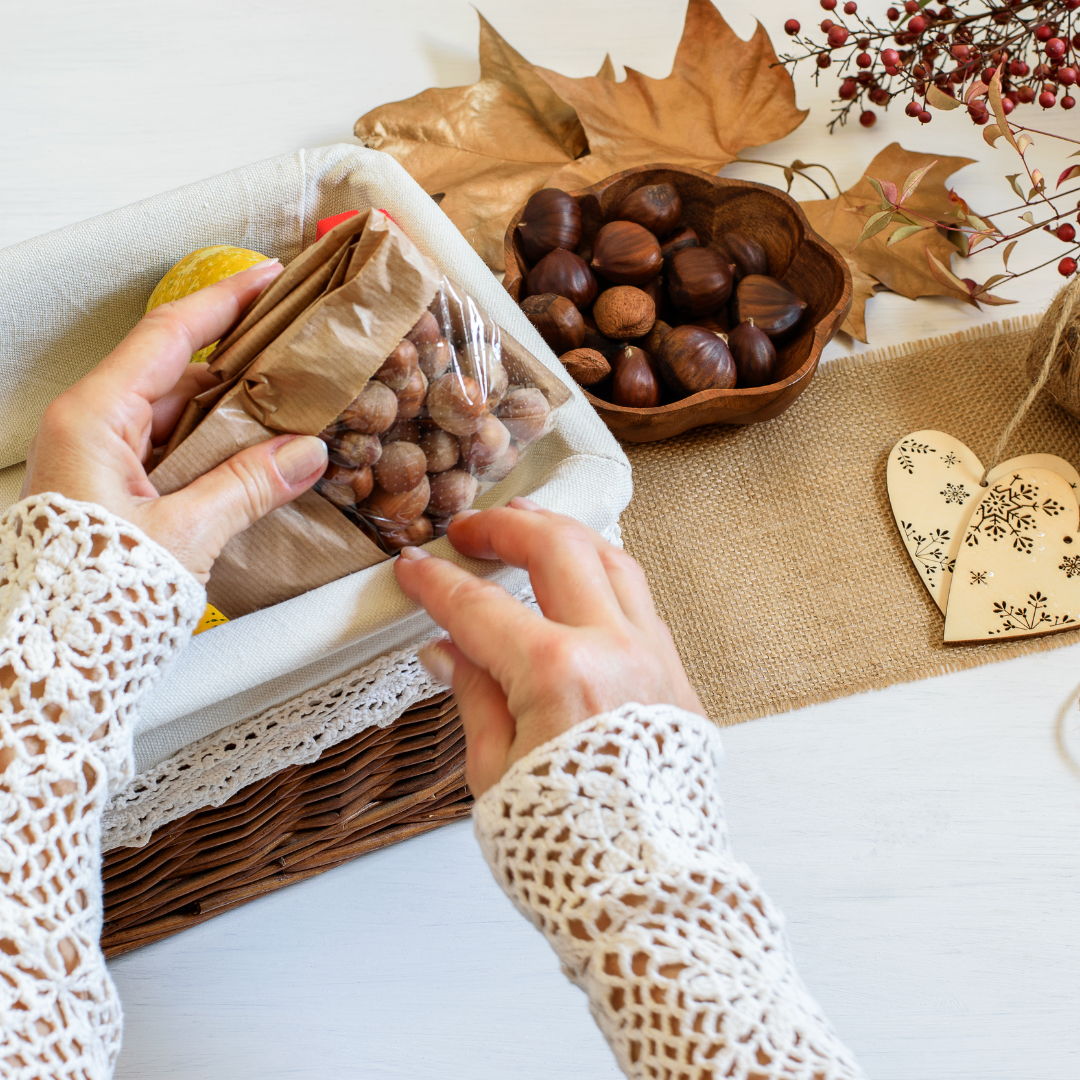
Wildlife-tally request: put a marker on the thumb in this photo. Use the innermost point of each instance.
(197, 521)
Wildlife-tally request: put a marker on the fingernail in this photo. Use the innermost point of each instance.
(264, 264)
(411, 554)
(519, 502)
(461, 515)
(439, 666)
(298, 458)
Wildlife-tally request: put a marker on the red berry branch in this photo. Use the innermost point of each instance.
(990, 57)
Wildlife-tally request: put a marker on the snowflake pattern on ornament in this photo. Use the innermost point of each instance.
(955, 493)
(1070, 564)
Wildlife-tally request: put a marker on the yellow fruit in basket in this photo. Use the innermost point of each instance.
(196, 271)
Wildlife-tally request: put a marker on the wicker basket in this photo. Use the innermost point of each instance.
(379, 787)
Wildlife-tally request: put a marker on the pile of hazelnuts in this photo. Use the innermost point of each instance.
(437, 422)
(647, 311)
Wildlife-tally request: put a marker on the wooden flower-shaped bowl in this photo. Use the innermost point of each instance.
(714, 205)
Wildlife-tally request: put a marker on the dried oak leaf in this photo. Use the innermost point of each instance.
(487, 147)
(904, 267)
(723, 94)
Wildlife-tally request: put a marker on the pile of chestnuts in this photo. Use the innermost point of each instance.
(648, 312)
(439, 421)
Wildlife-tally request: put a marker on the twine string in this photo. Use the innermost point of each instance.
(1068, 300)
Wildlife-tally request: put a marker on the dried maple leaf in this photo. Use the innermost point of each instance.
(487, 147)
(723, 94)
(902, 267)
(862, 288)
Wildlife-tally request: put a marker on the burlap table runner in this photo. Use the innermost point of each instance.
(772, 551)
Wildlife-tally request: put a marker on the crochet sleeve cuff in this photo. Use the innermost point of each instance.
(611, 840)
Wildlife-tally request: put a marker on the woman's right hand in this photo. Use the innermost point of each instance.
(521, 678)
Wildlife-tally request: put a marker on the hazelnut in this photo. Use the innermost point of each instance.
(498, 382)
(412, 534)
(565, 274)
(693, 359)
(485, 445)
(626, 253)
(425, 330)
(411, 400)
(656, 207)
(434, 357)
(401, 467)
(651, 341)
(747, 255)
(403, 431)
(635, 385)
(753, 353)
(338, 474)
(399, 508)
(362, 483)
(551, 219)
(624, 312)
(398, 367)
(586, 366)
(373, 410)
(699, 281)
(557, 321)
(773, 307)
(441, 450)
(502, 467)
(353, 449)
(439, 525)
(684, 237)
(452, 492)
(526, 413)
(341, 495)
(456, 403)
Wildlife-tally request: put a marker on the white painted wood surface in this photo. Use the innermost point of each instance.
(924, 841)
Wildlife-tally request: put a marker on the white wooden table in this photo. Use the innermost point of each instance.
(924, 840)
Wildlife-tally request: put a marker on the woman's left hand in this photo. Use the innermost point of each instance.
(96, 439)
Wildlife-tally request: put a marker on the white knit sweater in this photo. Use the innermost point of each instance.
(609, 838)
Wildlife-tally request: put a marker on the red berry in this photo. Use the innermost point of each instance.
(913, 108)
(1067, 76)
(880, 96)
(987, 75)
(1076, 41)
(960, 52)
(925, 117)
(847, 90)
(1067, 102)
(917, 24)
(827, 25)
(837, 36)
(978, 113)
(1018, 67)
(890, 57)
(1012, 96)
(911, 6)
(1047, 99)
(893, 14)
(1043, 33)
(828, 5)
(1026, 95)
(868, 118)
(850, 7)
(1067, 233)
(864, 60)
(792, 27)
(1066, 267)
(1007, 105)
(1055, 48)
(823, 60)
(1072, 5)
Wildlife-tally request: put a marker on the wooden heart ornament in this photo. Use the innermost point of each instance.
(934, 485)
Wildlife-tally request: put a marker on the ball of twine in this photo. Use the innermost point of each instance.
(1053, 361)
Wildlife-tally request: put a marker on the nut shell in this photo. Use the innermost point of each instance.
(397, 369)
(551, 219)
(441, 450)
(693, 359)
(635, 385)
(526, 413)
(452, 492)
(502, 467)
(353, 448)
(773, 306)
(362, 483)
(586, 366)
(402, 431)
(425, 329)
(565, 274)
(656, 207)
(623, 312)
(397, 507)
(456, 403)
(412, 534)
(651, 341)
(401, 467)
(753, 353)
(626, 253)
(486, 445)
(684, 237)
(698, 279)
(557, 321)
(434, 357)
(748, 255)
(373, 410)
(410, 401)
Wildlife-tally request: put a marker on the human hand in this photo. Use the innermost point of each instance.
(97, 438)
(521, 678)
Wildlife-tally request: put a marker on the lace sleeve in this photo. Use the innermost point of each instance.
(90, 611)
(611, 840)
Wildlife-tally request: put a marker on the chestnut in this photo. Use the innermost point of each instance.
(635, 385)
(747, 255)
(651, 341)
(699, 281)
(685, 237)
(753, 353)
(656, 207)
(557, 321)
(623, 312)
(626, 253)
(598, 342)
(397, 369)
(694, 359)
(551, 219)
(373, 410)
(773, 306)
(565, 274)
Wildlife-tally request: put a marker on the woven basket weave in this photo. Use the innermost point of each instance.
(379, 787)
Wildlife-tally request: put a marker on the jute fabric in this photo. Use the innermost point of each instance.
(772, 550)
